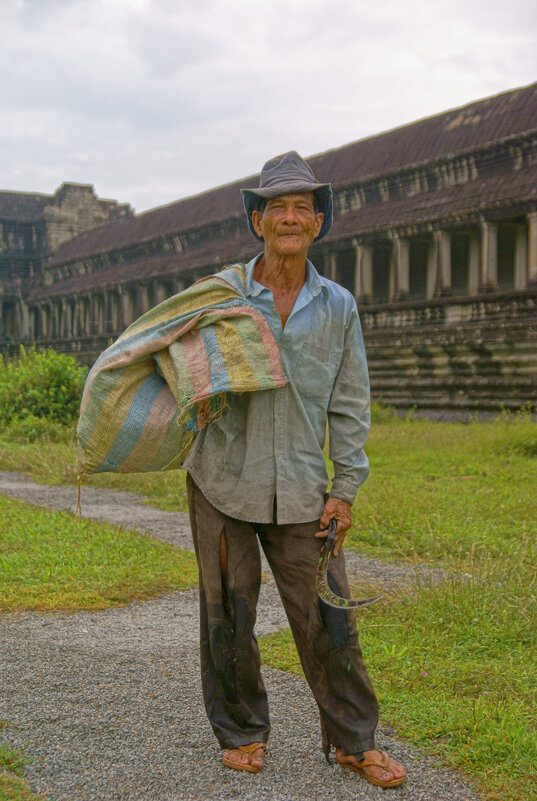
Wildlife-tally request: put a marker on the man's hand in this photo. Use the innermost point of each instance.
(341, 510)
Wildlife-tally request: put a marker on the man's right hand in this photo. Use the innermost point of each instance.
(342, 512)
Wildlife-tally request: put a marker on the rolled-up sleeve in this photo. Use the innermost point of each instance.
(349, 415)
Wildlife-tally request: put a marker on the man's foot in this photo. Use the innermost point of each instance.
(377, 767)
(245, 757)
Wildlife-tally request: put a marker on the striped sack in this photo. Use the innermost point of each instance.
(166, 377)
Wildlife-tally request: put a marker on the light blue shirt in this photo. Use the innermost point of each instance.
(268, 446)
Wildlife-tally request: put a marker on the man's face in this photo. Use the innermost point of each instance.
(288, 224)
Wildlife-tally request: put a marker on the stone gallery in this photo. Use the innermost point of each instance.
(435, 234)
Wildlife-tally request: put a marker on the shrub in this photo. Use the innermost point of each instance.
(32, 428)
(42, 385)
(383, 414)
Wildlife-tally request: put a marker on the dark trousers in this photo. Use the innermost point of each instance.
(326, 638)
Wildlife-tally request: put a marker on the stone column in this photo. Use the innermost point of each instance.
(96, 302)
(521, 257)
(142, 300)
(160, 293)
(474, 260)
(25, 321)
(120, 301)
(78, 323)
(64, 332)
(401, 274)
(358, 250)
(532, 248)
(18, 319)
(114, 310)
(73, 312)
(55, 320)
(40, 334)
(87, 321)
(46, 321)
(443, 276)
(101, 321)
(127, 315)
(332, 266)
(105, 328)
(488, 271)
(432, 268)
(90, 311)
(367, 274)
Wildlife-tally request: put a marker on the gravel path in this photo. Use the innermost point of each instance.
(109, 703)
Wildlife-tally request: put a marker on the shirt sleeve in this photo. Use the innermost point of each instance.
(349, 415)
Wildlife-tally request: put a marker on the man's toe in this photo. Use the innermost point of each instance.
(396, 768)
(236, 755)
(257, 758)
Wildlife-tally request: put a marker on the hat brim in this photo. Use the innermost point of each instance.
(323, 192)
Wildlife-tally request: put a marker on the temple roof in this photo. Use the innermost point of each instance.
(462, 130)
(22, 206)
(455, 203)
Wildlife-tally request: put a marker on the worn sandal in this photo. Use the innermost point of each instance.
(247, 749)
(358, 767)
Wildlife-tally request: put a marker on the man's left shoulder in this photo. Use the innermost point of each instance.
(339, 297)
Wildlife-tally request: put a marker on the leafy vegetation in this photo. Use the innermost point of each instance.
(43, 384)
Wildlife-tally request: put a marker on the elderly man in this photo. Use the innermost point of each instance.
(258, 475)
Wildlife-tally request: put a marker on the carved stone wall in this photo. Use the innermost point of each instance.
(435, 234)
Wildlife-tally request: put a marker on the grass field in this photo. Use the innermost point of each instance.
(51, 560)
(454, 665)
(55, 463)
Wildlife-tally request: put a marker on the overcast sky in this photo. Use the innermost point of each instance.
(154, 100)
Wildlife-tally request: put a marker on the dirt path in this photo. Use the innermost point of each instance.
(110, 704)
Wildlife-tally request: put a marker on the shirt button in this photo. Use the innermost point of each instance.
(276, 419)
(276, 453)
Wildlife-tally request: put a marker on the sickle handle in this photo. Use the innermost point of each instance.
(321, 580)
(331, 538)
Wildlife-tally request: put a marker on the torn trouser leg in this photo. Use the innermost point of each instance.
(326, 638)
(230, 575)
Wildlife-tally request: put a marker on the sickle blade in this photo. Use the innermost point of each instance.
(321, 580)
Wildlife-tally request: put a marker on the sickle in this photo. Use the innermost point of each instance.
(321, 579)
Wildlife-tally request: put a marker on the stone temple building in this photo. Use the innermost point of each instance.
(435, 234)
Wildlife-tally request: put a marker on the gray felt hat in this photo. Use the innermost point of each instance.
(285, 175)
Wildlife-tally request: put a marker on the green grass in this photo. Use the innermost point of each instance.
(455, 671)
(436, 490)
(12, 762)
(51, 560)
(55, 463)
(454, 666)
(444, 491)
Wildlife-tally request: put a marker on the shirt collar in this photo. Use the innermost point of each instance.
(315, 283)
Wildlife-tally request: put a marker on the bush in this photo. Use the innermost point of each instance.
(383, 414)
(40, 385)
(32, 428)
